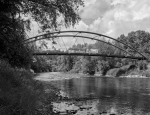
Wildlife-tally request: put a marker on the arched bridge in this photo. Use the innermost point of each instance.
(65, 42)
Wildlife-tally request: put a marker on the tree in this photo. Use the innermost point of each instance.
(77, 64)
(11, 36)
(45, 12)
(64, 63)
(88, 65)
(139, 41)
(50, 14)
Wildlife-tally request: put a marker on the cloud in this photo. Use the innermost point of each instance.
(144, 12)
(81, 26)
(122, 17)
(93, 11)
(89, 2)
(34, 29)
(116, 2)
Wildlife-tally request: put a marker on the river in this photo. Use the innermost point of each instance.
(104, 95)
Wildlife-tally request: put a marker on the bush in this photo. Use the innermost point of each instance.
(146, 73)
(19, 93)
(142, 65)
(125, 70)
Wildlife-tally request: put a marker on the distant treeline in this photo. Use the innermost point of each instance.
(139, 40)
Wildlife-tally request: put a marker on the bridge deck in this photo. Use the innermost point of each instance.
(90, 54)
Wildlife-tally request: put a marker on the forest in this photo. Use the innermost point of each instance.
(139, 40)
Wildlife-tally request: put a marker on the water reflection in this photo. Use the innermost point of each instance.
(122, 95)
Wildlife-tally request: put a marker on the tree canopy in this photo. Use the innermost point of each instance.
(50, 14)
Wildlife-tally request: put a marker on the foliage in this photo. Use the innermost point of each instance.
(122, 71)
(77, 64)
(45, 12)
(19, 93)
(11, 37)
(15, 21)
(41, 64)
(138, 40)
(87, 64)
(142, 65)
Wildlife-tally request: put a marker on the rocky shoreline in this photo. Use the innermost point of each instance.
(133, 76)
(129, 76)
(79, 106)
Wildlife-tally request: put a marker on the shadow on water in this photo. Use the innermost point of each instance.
(122, 95)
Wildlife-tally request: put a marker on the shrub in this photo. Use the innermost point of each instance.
(19, 93)
(142, 65)
(146, 73)
(125, 70)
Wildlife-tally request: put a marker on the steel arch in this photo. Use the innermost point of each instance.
(56, 34)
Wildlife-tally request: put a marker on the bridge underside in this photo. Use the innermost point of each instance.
(90, 54)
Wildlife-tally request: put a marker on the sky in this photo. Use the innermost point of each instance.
(112, 17)
(115, 17)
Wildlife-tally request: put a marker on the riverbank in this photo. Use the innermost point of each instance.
(129, 71)
(54, 76)
(19, 92)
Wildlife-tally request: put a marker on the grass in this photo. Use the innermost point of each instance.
(19, 93)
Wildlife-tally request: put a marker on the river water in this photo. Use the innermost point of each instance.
(122, 96)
